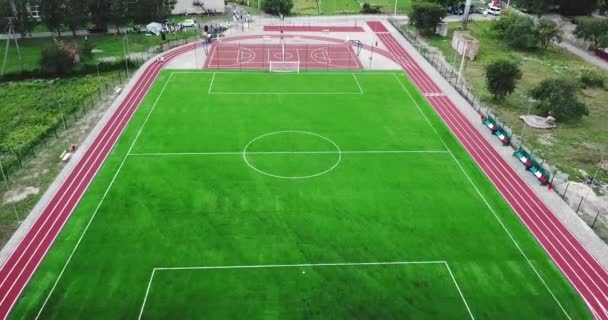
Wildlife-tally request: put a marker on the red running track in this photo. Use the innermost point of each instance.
(23, 262)
(313, 28)
(584, 272)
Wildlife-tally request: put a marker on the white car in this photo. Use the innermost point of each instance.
(491, 10)
(188, 23)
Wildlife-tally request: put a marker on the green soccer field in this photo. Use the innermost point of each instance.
(293, 196)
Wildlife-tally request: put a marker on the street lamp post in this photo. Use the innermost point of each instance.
(521, 136)
(395, 11)
(125, 47)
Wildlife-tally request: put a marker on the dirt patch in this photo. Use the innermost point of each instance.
(18, 194)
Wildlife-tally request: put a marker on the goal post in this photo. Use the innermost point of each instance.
(284, 66)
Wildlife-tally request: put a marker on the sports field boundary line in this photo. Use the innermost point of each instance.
(102, 199)
(210, 83)
(152, 154)
(259, 71)
(485, 201)
(358, 84)
(306, 265)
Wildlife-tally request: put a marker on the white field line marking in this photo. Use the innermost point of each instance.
(286, 93)
(210, 84)
(151, 154)
(143, 305)
(102, 199)
(485, 201)
(459, 291)
(295, 266)
(358, 84)
(360, 73)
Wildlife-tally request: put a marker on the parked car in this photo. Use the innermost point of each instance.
(459, 9)
(96, 29)
(492, 10)
(188, 23)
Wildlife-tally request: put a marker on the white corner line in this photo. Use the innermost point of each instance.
(210, 84)
(459, 291)
(143, 305)
(358, 84)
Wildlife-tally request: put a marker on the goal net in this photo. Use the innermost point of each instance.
(284, 66)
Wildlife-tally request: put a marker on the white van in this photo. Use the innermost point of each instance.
(491, 10)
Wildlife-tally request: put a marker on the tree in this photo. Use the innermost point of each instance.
(547, 31)
(517, 30)
(426, 15)
(501, 77)
(558, 98)
(594, 30)
(56, 61)
(144, 11)
(75, 14)
(18, 10)
(577, 7)
(53, 14)
(537, 7)
(277, 6)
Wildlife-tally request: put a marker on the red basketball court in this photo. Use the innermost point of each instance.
(258, 56)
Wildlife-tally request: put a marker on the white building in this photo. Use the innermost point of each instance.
(197, 6)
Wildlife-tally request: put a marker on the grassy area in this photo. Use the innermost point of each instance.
(31, 108)
(328, 7)
(109, 46)
(572, 145)
(216, 178)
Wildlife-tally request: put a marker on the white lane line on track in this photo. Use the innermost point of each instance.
(143, 90)
(120, 117)
(550, 243)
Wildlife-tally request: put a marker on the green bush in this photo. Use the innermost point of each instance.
(277, 6)
(367, 8)
(426, 15)
(56, 61)
(559, 98)
(501, 77)
(518, 31)
(592, 79)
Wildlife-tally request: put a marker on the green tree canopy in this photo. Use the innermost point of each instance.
(517, 30)
(277, 6)
(594, 30)
(501, 77)
(426, 15)
(559, 99)
(547, 31)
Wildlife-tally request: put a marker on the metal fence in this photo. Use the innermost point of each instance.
(597, 218)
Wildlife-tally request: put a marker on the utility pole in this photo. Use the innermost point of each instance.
(11, 36)
(464, 53)
(465, 16)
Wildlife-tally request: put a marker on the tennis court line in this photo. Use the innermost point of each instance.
(485, 201)
(105, 194)
(339, 264)
(151, 154)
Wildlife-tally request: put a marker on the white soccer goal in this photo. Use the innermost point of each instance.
(284, 66)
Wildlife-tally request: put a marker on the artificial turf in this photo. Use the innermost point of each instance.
(351, 170)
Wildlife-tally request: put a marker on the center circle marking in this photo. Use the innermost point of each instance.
(338, 151)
